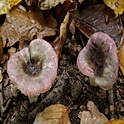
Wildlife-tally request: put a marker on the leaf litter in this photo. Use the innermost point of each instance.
(54, 114)
(71, 88)
(17, 29)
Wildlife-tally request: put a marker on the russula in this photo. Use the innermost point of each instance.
(34, 68)
(98, 60)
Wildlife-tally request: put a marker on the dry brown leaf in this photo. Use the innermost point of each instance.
(93, 116)
(51, 22)
(48, 4)
(116, 121)
(21, 25)
(54, 114)
(98, 18)
(60, 39)
(68, 13)
(63, 27)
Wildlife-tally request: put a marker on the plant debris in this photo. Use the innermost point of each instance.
(21, 25)
(57, 114)
(92, 116)
(98, 18)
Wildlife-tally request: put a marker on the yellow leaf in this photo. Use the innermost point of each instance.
(6, 5)
(116, 121)
(116, 5)
(54, 114)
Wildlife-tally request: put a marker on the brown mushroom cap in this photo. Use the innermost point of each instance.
(34, 68)
(98, 60)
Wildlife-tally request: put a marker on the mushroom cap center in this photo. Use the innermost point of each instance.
(32, 67)
(96, 58)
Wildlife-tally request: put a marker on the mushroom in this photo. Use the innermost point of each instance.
(34, 68)
(98, 60)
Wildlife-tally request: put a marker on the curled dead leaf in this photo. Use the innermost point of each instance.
(59, 40)
(115, 121)
(54, 114)
(67, 15)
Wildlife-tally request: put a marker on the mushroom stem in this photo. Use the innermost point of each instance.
(92, 82)
(32, 98)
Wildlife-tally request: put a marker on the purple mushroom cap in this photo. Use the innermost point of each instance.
(98, 60)
(34, 68)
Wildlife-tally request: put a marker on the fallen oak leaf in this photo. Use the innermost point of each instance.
(54, 114)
